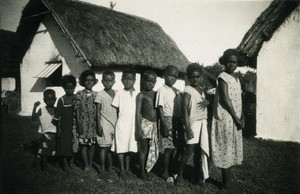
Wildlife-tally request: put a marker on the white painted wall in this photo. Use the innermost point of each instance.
(278, 88)
(46, 46)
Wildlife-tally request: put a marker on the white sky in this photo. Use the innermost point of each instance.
(201, 29)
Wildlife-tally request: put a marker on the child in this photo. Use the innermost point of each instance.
(85, 115)
(47, 129)
(64, 119)
(169, 104)
(106, 119)
(146, 124)
(195, 120)
(124, 101)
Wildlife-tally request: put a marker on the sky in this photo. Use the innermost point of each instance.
(202, 29)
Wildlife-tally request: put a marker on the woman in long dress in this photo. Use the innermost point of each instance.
(226, 134)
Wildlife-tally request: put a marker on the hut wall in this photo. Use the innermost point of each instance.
(278, 89)
(48, 44)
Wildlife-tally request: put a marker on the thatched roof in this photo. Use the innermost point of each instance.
(109, 38)
(264, 27)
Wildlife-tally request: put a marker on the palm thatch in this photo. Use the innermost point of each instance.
(264, 28)
(109, 38)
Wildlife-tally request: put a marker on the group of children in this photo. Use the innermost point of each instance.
(127, 122)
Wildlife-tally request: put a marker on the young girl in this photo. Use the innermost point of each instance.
(106, 119)
(64, 118)
(195, 120)
(85, 115)
(226, 134)
(124, 101)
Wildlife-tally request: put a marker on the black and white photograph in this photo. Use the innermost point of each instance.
(150, 96)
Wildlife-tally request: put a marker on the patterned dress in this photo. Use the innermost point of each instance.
(226, 140)
(87, 114)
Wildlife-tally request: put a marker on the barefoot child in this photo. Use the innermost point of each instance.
(124, 141)
(64, 119)
(85, 115)
(146, 124)
(46, 128)
(195, 120)
(106, 119)
(169, 105)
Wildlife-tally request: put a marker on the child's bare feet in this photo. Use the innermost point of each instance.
(145, 176)
(179, 180)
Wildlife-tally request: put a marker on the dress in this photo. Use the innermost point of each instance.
(64, 114)
(108, 118)
(87, 111)
(226, 140)
(125, 127)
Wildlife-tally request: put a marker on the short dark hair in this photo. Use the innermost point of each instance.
(192, 68)
(108, 72)
(128, 71)
(147, 73)
(68, 79)
(49, 92)
(169, 68)
(84, 75)
(227, 54)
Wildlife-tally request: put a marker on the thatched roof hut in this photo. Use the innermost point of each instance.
(264, 28)
(105, 37)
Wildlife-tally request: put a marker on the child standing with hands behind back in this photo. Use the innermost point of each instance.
(168, 102)
(106, 119)
(46, 128)
(64, 118)
(146, 124)
(85, 115)
(124, 141)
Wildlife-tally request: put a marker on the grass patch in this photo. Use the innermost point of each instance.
(268, 167)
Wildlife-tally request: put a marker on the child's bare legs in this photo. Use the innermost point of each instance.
(167, 156)
(83, 150)
(143, 146)
(127, 162)
(108, 160)
(186, 154)
(103, 157)
(87, 153)
(121, 164)
(91, 150)
(226, 177)
(44, 163)
(124, 163)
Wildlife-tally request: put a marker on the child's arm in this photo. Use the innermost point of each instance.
(98, 118)
(226, 102)
(139, 100)
(57, 117)
(163, 128)
(78, 121)
(35, 114)
(186, 102)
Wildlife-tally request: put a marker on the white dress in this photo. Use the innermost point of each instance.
(124, 140)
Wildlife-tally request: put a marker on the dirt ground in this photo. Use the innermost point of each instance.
(268, 167)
